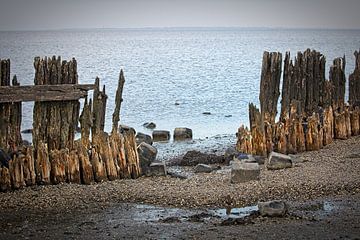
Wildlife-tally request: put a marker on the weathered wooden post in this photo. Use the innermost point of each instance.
(10, 113)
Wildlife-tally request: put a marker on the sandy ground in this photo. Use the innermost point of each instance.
(116, 209)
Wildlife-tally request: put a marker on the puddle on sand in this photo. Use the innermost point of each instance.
(235, 212)
(328, 206)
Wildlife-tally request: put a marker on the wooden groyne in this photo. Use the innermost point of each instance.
(313, 109)
(55, 156)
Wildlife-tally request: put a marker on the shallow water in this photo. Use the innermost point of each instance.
(211, 70)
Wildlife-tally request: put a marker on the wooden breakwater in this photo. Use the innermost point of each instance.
(313, 109)
(55, 156)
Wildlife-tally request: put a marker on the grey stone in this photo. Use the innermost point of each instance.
(274, 208)
(182, 133)
(260, 159)
(149, 125)
(244, 172)
(142, 137)
(147, 154)
(202, 168)
(229, 154)
(279, 161)
(246, 158)
(161, 135)
(157, 169)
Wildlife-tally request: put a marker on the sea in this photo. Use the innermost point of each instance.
(174, 75)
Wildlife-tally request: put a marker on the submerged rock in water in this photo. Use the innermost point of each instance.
(182, 133)
(192, 158)
(202, 168)
(274, 208)
(149, 125)
(279, 161)
(161, 135)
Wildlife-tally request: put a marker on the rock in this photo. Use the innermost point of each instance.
(157, 169)
(274, 208)
(229, 154)
(260, 159)
(177, 175)
(227, 116)
(142, 137)
(27, 131)
(244, 172)
(202, 168)
(149, 125)
(279, 161)
(182, 133)
(206, 113)
(192, 158)
(161, 135)
(147, 154)
(246, 158)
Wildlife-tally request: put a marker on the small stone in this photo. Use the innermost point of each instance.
(149, 125)
(157, 169)
(246, 158)
(274, 208)
(27, 131)
(227, 116)
(206, 113)
(182, 133)
(142, 137)
(244, 172)
(279, 161)
(202, 168)
(161, 135)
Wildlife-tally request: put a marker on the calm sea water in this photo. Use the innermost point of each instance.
(204, 70)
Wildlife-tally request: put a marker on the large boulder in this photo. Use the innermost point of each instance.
(147, 154)
(279, 161)
(142, 137)
(182, 134)
(202, 168)
(161, 135)
(244, 172)
(274, 208)
(157, 169)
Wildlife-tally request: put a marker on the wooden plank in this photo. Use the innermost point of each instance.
(43, 93)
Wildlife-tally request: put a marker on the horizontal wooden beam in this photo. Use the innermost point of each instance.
(44, 93)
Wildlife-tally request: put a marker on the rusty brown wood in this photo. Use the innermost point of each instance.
(43, 93)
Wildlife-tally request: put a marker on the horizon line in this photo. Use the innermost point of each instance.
(178, 28)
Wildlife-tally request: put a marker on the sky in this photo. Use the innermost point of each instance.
(74, 14)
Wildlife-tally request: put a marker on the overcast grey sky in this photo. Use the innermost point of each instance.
(60, 14)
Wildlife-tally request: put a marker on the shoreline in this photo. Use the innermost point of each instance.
(330, 171)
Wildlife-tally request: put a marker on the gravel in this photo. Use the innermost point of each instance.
(327, 172)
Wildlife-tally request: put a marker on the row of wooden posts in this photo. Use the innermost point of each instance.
(313, 109)
(55, 156)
